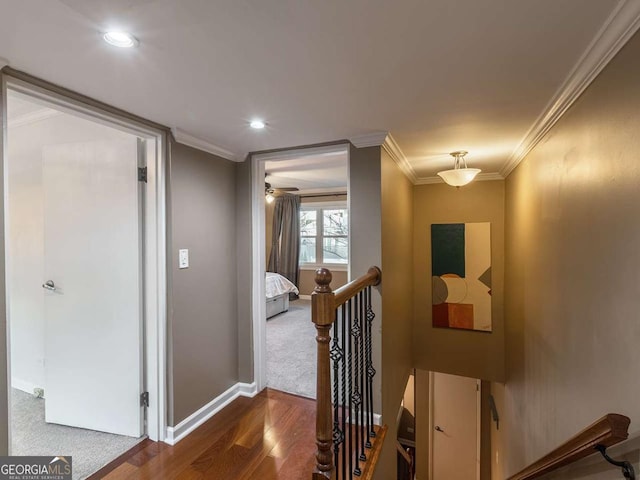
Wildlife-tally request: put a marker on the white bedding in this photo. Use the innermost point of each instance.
(276, 285)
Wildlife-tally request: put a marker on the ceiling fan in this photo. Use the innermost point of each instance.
(270, 192)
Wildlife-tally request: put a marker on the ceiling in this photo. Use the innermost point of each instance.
(438, 75)
(315, 173)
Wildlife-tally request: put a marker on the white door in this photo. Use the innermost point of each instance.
(455, 427)
(93, 318)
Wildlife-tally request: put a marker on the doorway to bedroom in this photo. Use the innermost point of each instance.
(306, 227)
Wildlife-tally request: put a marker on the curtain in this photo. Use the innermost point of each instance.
(285, 240)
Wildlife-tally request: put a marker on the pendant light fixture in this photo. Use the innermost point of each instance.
(461, 174)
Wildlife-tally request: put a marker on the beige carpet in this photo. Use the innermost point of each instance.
(31, 435)
(291, 350)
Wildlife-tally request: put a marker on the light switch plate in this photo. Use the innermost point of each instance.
(183, 258)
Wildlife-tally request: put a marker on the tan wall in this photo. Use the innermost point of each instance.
(466, 353)
(397, 305)
(572, 276)
(308, 283)
(203, 298)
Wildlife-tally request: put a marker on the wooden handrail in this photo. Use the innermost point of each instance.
(344, 293)
(609, 430)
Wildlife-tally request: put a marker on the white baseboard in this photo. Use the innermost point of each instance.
(377, 419)
(23, 385)
(304, 297)
(193, 421)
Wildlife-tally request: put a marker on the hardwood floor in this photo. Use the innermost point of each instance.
(270, 436)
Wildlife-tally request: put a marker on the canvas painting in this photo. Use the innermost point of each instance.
(461, 275)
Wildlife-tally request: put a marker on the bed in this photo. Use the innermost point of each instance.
(278, 289)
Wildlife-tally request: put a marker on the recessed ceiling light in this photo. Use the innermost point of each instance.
(120, 39)
(257, 124)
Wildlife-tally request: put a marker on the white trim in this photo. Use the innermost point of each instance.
(32, 117)
(623, 22)
(480, 178)
(393, 149)
(187, 139)
(342, 204)
(334, 267)
(258, 295)
(369, 139)
(389, 144)
(23, 385)
(193, 421)
(258, 260)
(377, 419)
(155, 370)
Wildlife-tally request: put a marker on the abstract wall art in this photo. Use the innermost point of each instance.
(461, 276)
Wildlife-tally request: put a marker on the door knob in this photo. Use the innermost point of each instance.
(49, 285)
(438, 429)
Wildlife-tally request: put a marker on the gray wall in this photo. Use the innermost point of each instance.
(244, 231)
(572, 277)
(366, 239)
(4, 396)
(203, 298)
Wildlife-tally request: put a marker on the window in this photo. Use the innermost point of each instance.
(324, 235)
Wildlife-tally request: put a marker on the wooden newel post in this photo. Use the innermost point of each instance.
(323, 315)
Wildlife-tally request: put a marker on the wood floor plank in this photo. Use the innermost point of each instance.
(271, 437)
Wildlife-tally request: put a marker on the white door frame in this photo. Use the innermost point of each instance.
(155, 270)
(258, 262)
(432, 425)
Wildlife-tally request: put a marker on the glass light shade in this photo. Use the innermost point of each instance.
(120, 39)
(460, 176)
(269, 198)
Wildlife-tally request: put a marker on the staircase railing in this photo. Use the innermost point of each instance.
(606, 432)
(348, 441)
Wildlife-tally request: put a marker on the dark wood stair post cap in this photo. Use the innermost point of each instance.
(323, 280)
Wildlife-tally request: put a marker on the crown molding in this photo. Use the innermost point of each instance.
(623, 22)
(33, 117)
(183, 137)
(386, 141)
(479, 178)
(369, 139)
(393, 149)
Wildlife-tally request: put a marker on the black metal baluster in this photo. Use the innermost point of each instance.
(357, 397)
(368, 402)
(370, 370)
(343, 381)
(362, 456)
(337, 356)
(350, 379)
